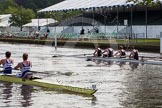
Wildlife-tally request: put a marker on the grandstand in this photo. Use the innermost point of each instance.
(108, 21)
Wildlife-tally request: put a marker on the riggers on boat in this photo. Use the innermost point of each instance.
(153, 62)
(39, 82)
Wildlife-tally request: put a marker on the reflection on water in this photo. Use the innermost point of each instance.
(142, 85)
(133, 66)
(97, 61)
(10, 94)
(143, 88)
(26, 92)
(108, 63)
(121, 64)
(94, 99)
(7, 92)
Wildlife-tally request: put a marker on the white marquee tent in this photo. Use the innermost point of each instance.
(4, 20)
(40, 22)
(85, 4)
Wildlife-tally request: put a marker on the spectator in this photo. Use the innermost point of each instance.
(37, 34)
(96, 30)
(46, 35)
(82, 31)
(48, 31)
(89, 31)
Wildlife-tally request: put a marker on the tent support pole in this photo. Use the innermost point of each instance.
(117, 21)
(55, 39)
(131, 21)
(55, 42)
(105, 18)
(38, 21)
(93, 18)
(146, 20)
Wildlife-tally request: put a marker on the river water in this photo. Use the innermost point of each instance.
(120, 85)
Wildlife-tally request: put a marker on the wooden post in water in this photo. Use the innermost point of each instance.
(161, 43)
(55, 42)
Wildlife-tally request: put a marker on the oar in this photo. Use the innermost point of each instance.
(38, 72)
(160, 57)
(67, 73)
(30, 71)
(70, 55)
(142, 56)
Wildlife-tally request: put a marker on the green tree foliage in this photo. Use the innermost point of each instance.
(4, 4)
(20, 15)
(24, 10)
(145, 2)
(37, 4)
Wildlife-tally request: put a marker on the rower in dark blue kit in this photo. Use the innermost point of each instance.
(7, 63)
(25, 68)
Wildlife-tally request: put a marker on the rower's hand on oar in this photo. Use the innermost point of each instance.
(57, 56)
(54, 56)
(115, 56)
(87, 54)
(15, 68)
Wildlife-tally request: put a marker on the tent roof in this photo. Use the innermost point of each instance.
(5, 15)
(4, 20)
(85, 4)
(3, 25)
(42, 22)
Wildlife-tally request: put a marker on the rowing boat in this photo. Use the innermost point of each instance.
(106, 59)
(50, 86)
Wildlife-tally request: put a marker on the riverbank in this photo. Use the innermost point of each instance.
(146, 45)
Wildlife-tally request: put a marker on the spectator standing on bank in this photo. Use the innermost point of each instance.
(89, 31)
(82, 31)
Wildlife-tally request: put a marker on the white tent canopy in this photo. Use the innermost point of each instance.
(4, 20)
(3, 25)
(85, 4)
(40, 22)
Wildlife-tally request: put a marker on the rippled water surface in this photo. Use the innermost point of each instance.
(120, 85)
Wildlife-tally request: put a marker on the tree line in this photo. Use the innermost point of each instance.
(24, 10)
(36, 4)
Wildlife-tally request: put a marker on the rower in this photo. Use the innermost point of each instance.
(121, 52)
(108, 52)
(98, 52)
(24, 67)
(134, 53)
(7, 63)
